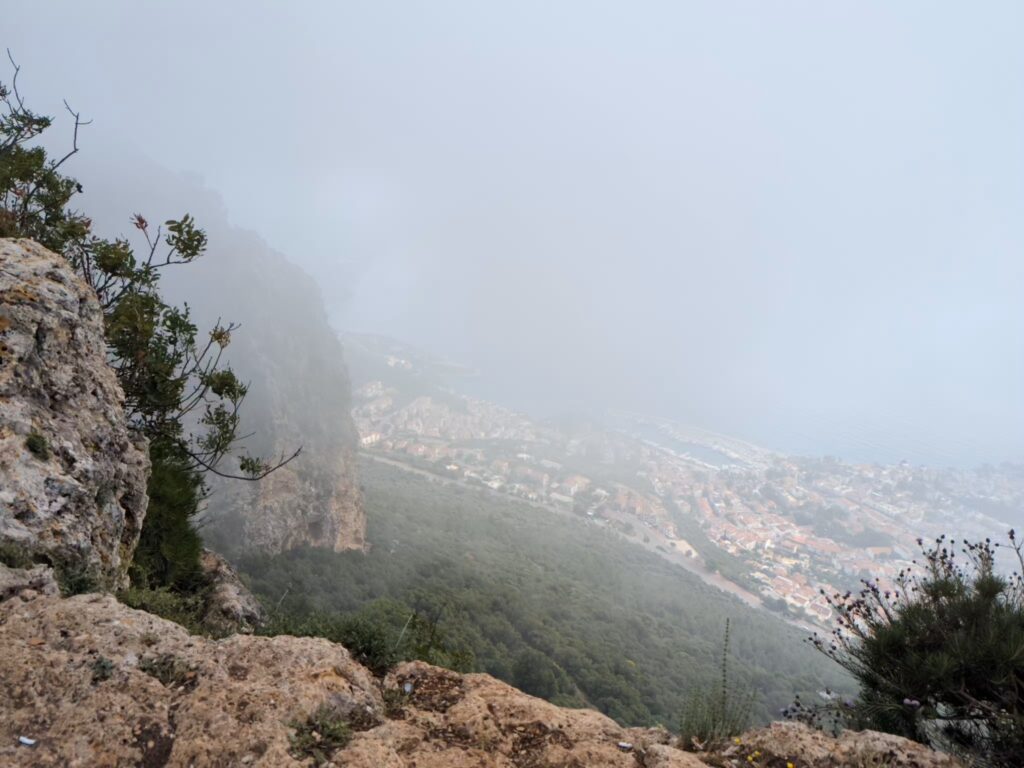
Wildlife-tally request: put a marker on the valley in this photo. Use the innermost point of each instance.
(780, 532)
(563, 610)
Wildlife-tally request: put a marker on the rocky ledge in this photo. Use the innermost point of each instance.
(86, 681)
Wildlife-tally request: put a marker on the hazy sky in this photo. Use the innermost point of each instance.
(801, 222)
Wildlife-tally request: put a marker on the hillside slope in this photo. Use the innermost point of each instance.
(562, 608)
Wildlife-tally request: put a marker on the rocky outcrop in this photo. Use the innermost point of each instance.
(808, 747)
(229, 607)
(27, 583)
(90, 682)
(74, 475)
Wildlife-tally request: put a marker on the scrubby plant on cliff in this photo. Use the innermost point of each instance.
(178, 392)
(717, 713)
(940, 657)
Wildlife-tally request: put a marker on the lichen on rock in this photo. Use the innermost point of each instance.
(167, 698)
(74, 490)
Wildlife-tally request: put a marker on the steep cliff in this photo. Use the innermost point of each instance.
(299, 396)
(285, 348)
(72, 475)
(89, 682)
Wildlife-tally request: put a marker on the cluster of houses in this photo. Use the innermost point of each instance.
(801, 527)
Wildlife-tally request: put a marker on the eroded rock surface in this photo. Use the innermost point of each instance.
(230, 606)
(74, 475)
(27, 583)
(95, 683)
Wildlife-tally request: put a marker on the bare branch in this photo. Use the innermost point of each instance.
(270, 469)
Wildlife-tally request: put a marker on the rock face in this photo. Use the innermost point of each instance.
(230, 606)
(27, 583)
(853, 748)
(74, 475)
(94, 683)
(300, 395)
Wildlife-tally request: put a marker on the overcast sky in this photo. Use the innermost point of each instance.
(800, 222)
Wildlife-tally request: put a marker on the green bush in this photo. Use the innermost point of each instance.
(378, 636)
(15, 555)
(320, 735)
(183, 609)
(102, 669)
(38, 446)
(940, 657)
(170, 670)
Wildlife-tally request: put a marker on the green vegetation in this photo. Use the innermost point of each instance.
(102, 669)
(548, 603)
(38, 446)
(15, 556)
(184, 609)
(381, 633)
(712, 715)
(170, 670)
(320, 735)
(940, 659)
(171, 376)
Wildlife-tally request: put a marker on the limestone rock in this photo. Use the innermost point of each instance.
(26, 582)
(98, 684)
(72, 474)
(811, 748)
(230, 606)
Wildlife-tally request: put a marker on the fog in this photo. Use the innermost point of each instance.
(798, 223)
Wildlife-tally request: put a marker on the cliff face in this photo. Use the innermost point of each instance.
(92, 683)
(299, 396)
(73, 488)
(285, 348)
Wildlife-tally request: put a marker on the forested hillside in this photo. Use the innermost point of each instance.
(559, 608)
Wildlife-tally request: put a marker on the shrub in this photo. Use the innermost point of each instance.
(102, 668)
(170, 670)
(379, 635)
(15, 555)
(320, 735)
(74, 578)
(940, 656)
(38, 446)
(183, 609)
(714, 714)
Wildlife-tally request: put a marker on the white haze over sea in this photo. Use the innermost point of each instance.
(796, 222)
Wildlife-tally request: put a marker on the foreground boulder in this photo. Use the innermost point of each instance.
(89, 682)
(74, 475)
(230, 607)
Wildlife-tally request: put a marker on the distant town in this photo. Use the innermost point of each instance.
(777, 530)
